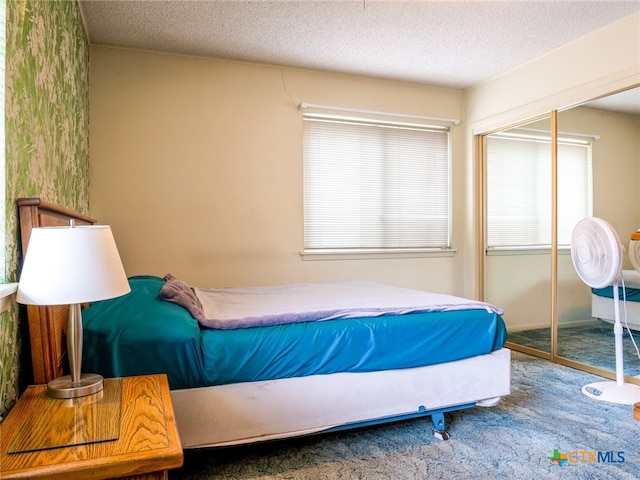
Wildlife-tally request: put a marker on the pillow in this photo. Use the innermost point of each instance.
(177, 291)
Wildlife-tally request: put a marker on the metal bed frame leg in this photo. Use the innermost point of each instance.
(437, 418)
(439, 430)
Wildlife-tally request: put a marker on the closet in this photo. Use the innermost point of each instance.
(539, 178)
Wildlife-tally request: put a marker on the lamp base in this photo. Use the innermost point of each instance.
(64, 387)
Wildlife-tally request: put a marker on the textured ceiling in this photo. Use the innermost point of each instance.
(441, 43)
(623, 102)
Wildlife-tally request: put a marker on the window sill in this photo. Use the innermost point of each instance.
(6, 291)
(545, 250)
(362, 254)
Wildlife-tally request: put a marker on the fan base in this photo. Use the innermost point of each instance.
(625, 394)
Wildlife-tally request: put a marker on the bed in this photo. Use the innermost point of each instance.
(602, 303)
(234, 386)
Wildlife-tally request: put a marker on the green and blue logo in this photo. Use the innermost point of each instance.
(559, 458)
(585, 456)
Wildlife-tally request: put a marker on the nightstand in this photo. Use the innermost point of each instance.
(127, 431)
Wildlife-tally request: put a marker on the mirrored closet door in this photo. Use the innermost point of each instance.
(608, 131)
(586, 162)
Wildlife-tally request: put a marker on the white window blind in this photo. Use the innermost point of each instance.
(375, 185)
(519, 189)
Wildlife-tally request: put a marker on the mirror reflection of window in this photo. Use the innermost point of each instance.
(519, 187)
(517, 261)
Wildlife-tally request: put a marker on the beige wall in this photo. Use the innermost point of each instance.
(604, 61)
(197, 165)
(521, 284)
(616, 196)
(616, 165)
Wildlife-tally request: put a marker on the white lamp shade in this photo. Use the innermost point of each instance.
(67, 265)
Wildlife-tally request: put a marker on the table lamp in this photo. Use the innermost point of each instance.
(71, 266)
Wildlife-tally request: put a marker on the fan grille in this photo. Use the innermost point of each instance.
(596, 252)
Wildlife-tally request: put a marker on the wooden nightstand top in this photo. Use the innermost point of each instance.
(148, 438)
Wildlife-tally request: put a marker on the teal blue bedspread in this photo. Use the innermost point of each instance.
(141, 334)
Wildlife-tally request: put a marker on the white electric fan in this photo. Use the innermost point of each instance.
(597, 256)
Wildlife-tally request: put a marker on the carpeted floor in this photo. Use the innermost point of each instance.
(514, 440)
(593, 344)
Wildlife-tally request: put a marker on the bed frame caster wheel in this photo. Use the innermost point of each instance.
(437, 418)
(441, 434)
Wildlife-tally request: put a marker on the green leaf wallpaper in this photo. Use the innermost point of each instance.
(46, 136)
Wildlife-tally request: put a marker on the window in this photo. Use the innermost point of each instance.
(375, 185)
(519, 188)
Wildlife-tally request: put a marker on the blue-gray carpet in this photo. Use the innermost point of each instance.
(514, 440)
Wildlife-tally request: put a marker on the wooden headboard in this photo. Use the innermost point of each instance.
(47, 325)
